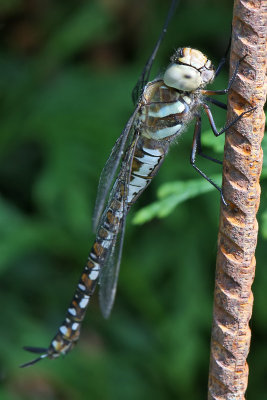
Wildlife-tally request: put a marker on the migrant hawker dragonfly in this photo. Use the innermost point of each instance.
(164, 108)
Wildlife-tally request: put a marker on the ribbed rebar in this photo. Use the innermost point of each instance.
(233, 298)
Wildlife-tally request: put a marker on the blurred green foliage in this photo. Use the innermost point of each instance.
(67, 71)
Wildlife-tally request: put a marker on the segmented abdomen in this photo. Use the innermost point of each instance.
(69, 331)
(149, 155)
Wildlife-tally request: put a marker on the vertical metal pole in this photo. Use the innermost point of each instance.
(233, 298)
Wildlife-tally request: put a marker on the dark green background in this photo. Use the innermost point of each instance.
(67, 69)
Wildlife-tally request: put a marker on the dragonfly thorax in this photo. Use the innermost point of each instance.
(165, 111)
(190, 70)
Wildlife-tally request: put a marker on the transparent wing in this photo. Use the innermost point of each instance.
(110, 168)
(110, 270)
(144, 77)
(110, 275)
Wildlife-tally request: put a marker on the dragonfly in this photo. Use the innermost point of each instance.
(164, 108)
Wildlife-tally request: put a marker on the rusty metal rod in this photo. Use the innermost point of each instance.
(235, 267)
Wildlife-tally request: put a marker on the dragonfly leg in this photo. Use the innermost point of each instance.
(231, 81)
(223, 60)
(212, 122)
(216, 102)
(196, 149)
(199, 150)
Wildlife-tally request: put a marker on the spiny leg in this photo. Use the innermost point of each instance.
(216, 102)
(231, 81)
(223, 60)
(212, 122)
(195, 151)
(199, 146)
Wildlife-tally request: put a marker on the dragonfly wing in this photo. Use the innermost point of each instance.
(110, 168)
(109, 277)
(110, 270)
(144, 77)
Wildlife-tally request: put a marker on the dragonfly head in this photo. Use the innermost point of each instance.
(189, 70)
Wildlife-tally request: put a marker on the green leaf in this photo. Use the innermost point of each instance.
(170, 195)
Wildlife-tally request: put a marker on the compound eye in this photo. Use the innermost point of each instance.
(182, 77)
(188, 76)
